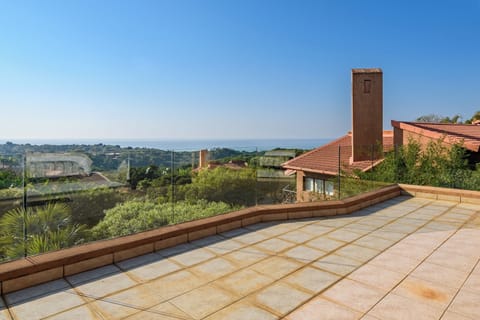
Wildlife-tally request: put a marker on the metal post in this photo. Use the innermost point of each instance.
(256, 176)
(339, 172)
(172, 181)
(25, 205)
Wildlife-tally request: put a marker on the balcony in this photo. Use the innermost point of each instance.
(402, 252)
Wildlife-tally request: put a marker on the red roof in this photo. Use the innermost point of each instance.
(325, 159)
(466, 134)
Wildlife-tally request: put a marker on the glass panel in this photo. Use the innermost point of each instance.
(319, 185)
(309, 184)
(329, 188)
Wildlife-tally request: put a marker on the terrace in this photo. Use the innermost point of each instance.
(401, 252)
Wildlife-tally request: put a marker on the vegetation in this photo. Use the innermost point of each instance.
(434, 165)
(235, 187)
(435, 118)
(47, 228)
(140, 215)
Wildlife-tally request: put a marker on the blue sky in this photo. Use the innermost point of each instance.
(228, 69)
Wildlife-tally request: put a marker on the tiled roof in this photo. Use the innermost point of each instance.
(325, 159)
(467, 134)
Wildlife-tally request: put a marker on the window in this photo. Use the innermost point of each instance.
(367, 86)
(321, 186)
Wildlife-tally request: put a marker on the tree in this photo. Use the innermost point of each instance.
(475, 117)
(47, 228)
(435, 118)
(233, 186)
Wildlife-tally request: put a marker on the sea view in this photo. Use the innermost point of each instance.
(187, 145)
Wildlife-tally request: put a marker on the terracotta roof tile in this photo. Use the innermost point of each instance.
(325, 159)
(466, 134)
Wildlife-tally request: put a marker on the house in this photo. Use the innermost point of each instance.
(468, 135)
(270, 164)
(361, 149)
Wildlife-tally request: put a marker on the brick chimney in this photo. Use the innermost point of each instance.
(202, 159)
(367, 113)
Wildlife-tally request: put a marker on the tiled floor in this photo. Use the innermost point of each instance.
(407, 258)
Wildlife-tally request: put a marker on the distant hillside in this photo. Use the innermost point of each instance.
(110, 157)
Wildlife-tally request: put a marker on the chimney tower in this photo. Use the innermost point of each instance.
(367, 113)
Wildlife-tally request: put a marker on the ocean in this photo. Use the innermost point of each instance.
(189, 145)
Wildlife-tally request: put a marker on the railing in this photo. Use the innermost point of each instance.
(59, 198)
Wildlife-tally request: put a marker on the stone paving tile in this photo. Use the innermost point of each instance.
(344, 235)
(414, 252)
(139, 297)
(297, 236)
(354, 295)
(377, 277)
(316, 229)
(394, 236)
(152, 270)
(312, 279)
(360, 228)
(375, 221)
(203, 301)
(163, 311)
(203, 242)
(428, 238)
(192, 257)
(214, 269)
(244, 282)
(393, 262)
(337, 264)
(441, 275)
(325, 244)
(225, 246)
(139, 261)
(104, 286)
(271, 229)
(325, 309)
(82, 312)
(373, 242)
(450, 315)
(175, 284)
(246, 256)
(473, 283)
(242, 311)
(45, 305)
(304, 253)
(441, 226)
(280, 298)
(426, 292)
(111, 310)
(250, 237)
(395, 307)
(4, 315)
(335, 222)
(175, 250)
(359, 253)
(447, 258)
(399, 228)
(276, 267)
(466, 303)
(274, 245)
(32, 293)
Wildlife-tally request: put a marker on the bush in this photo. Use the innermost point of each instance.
(140, 215)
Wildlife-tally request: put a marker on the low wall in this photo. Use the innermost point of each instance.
(33, 270)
